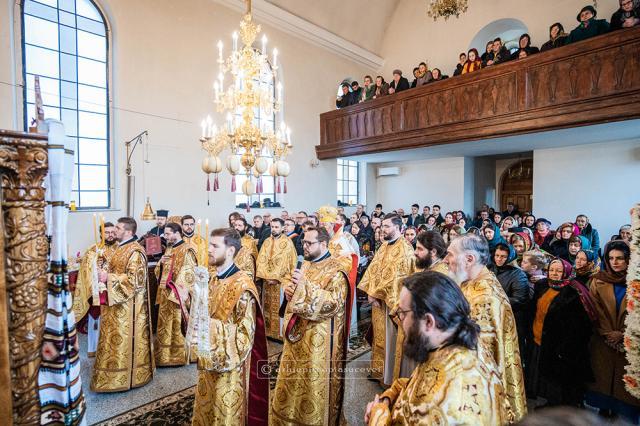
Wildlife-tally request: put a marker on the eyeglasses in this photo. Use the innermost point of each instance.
(400, 314)
(309, 243)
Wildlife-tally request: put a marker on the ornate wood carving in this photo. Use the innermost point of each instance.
(590, 82)
(23, 166)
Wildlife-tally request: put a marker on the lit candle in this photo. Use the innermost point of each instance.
(216, 88)
(235, 41)
(95, 230)
(102, 238)
(214, 130)
(206, 224)
(204, 128)
(289, 136)
(229, 123)
(219, 50)
(199, 227)
(264, 45)
(275, 57)
(209, 123)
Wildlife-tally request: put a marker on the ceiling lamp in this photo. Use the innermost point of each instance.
(242, 88)
(446, 8)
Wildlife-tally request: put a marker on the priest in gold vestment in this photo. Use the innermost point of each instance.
(310, 385)
(467, 257)
(198, 243)
(86, 296)
(248, 254)
(124, 358)
(227, 324)
(452, 384)
(276, 262)
(382, 281)
(175, 274)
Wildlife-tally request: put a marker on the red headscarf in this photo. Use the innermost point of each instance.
(568, 279)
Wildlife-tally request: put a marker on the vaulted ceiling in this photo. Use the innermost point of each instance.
(362, 22)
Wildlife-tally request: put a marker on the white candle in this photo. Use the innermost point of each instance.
(235, 41)
(289, 136)
(275, 57)
(221, 79)
(229, 123)
(209, 122)
(264, 44)
(204, 127)
(220, 50)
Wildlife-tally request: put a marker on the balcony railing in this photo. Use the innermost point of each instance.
(590, 82)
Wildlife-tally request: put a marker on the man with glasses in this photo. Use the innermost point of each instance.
(310, 385)
(382, 281)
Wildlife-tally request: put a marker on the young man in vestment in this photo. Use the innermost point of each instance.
(310, 385)
(451, 384)
(176, 277)
(382, 281)
(189, 236)
(467, 257)
(276, 262)
(124, 358)
(86, 296)
(228, 326)
(248, 254)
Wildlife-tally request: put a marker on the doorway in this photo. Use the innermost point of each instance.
(516, 186)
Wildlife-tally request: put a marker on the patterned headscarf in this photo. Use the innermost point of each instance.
(592, 266)
(568, 279)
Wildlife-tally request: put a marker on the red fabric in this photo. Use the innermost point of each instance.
(233, 183)
(278, 189)
(73, 279)
(216, 184)
(208, 184)
(285, 185)
(258, 411)
(104, 300)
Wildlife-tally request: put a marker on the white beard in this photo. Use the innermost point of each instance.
(460, 275)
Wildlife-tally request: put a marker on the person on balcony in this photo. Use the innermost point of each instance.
(414, 83)
(369, 89)
(487, 54)
(424, 75)
(499, 54)
(381, 88)
(524, 45)
(399, 82)
(627, 16)
(460, 66)
(473, 62)
(356, 91)
(557, 37)
(437, 75)
(347, 97)
(589, 25)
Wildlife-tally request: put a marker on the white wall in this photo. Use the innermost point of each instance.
(162, 71)
(429, 182)
(599, 180)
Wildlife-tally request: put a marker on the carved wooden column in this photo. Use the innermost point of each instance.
(23, 167)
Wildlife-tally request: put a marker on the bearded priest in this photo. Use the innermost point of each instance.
(227, 324)
(310, 385)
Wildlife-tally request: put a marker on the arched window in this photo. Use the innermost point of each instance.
(65, 43)
(509, 30)
(266, 121)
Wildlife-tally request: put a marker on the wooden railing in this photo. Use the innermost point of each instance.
(590, 82)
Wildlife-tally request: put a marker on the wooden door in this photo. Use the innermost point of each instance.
(516, 186)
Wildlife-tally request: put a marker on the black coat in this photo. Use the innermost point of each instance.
(415, 223)
(618, 18)
(262, 234)
(403, 84)
(346, 100)
(531, 50)
(502, 56)
(552, 44)
(596, 27)
(560, 248)
(458, 70)
(567, 329)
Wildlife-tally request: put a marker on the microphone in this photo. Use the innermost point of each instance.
(283, 306)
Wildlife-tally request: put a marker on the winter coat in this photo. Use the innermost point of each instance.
(594, 28)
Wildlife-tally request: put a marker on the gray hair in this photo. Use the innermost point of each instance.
(475, 245)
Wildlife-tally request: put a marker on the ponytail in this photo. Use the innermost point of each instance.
(467, 334)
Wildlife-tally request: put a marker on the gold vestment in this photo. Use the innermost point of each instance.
(169, 347)
(101, 255)
(124, 358)
(201, 248)
(310, 385)
(383, 280)
(223, 373)
(276, 261)
(490, 308)
(247, 256)
(453, 386)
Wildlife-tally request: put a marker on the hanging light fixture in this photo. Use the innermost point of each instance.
(249, 144)
(446, 8)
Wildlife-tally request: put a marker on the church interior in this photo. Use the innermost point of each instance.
(153, 151)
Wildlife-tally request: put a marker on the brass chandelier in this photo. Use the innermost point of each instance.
(247, 89)
(446, 8)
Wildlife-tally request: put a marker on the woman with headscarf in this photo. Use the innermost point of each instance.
(522, 242)
(515, 284)
(473, 62)
(575, 245)
(506, 224)
(624, 234)
(381, 88)
(557, 37)
(560, 247)
(456, 231)
(609, 293)
(524, 45)
(586, 266)
(491, 233)
(560, 326)
(432, 223)
(529, 221)
(542, 234)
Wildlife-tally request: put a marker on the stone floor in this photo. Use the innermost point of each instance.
(358, 390)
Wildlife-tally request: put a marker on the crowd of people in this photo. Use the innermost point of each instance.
(628, 15)
(501, 303)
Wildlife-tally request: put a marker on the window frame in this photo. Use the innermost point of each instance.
(346, 165)
(109, 189)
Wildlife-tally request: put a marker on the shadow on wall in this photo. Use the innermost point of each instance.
(508, 29)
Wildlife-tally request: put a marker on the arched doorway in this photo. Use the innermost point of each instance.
(516, 186)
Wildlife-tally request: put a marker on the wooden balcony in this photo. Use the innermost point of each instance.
(591, 82)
